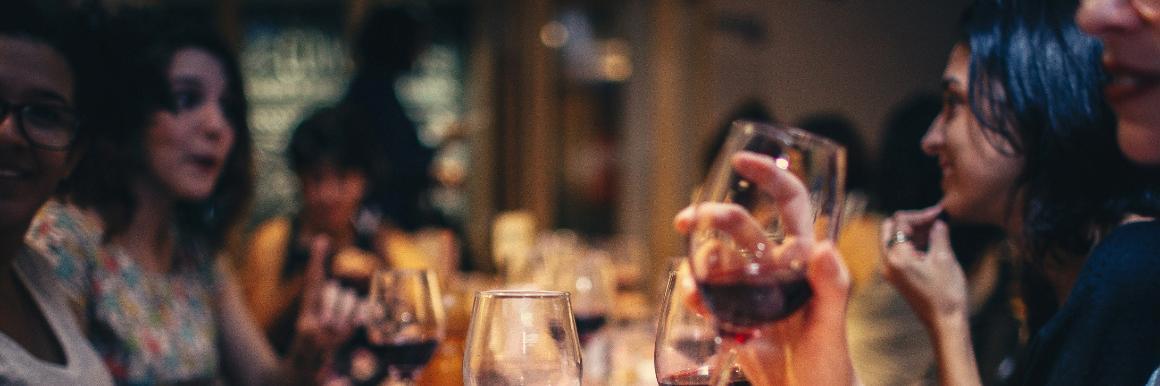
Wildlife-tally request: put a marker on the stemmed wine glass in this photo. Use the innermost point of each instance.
(686, 341)
(404, 321)
(522, 338)
(589, 280)
(772, 193)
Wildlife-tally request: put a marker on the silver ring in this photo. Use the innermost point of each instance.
(899, 238)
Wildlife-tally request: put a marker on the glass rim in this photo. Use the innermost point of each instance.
(521, 294)
(781, 131)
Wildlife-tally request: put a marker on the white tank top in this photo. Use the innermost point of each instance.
(82, 365)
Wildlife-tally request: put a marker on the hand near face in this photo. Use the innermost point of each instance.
(931, 280)
(815, 336)
(330, 312)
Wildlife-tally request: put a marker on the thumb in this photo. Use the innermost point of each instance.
(829, 278)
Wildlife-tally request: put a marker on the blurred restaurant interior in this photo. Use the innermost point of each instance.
(592, 116)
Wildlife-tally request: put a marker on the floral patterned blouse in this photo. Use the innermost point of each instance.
(148, 327)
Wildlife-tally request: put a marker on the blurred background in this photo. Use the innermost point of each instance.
(592, 116)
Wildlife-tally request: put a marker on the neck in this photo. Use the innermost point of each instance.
(147, 237)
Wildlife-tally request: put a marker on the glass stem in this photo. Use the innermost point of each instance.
(722, 370)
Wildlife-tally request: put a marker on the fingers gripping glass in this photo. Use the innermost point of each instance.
(44, 126)
(772, 194)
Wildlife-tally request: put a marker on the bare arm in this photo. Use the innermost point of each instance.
(326, 320)
(935, 286)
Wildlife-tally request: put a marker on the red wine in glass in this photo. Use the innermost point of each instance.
(405, 357)
(700, 378)
(741, 306)
(586, 325)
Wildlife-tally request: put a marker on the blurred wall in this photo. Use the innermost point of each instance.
(858, 57)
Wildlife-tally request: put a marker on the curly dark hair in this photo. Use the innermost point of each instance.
(139, 45)
(1036, 88)
(339, 135)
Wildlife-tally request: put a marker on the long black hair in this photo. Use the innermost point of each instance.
(1036, 88)
(139, 45)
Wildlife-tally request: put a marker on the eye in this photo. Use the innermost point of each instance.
(950, 104)
(45, 116)
(184, 100)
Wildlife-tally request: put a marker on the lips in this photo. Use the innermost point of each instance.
(1128, 82)
(10, 168)
(204, 163)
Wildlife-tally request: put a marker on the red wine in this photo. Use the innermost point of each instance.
(588, 324)
(740, 306)
(697, 378)
(406, 357)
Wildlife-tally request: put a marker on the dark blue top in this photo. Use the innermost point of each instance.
(1108, 330)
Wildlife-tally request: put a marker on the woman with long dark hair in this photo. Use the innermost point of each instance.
(1027, 143)
(137, 235)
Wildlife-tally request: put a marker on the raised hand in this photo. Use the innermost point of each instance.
(330, 312)
(791, 350)
(919, 262)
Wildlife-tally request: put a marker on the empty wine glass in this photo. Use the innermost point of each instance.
(405, 322)
(522, 338)
(686, 341)
(771, 194)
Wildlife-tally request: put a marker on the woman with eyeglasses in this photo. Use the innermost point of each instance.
(137, 236)
(40, 143)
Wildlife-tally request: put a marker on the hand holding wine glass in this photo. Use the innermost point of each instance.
(759, 245)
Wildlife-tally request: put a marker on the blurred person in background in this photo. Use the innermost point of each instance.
(1027, 143)
(334, 155)
(43, 84)
(389, 42)
(136, 236)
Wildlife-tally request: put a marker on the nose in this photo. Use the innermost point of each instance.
(9, 132)
(214, 124)
(934, 138)
(1103, 17)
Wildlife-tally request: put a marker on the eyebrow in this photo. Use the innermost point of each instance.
(186, 80)
(49, 95)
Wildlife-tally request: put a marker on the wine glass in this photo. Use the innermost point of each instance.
(686, 341)
(405, 321)
(772, 193)
(590, 282)
(522, 338)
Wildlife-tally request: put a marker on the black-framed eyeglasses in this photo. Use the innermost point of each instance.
(44, 126)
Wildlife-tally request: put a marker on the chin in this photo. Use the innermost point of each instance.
(194, 193)
(959, 211)
(1140, 143)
